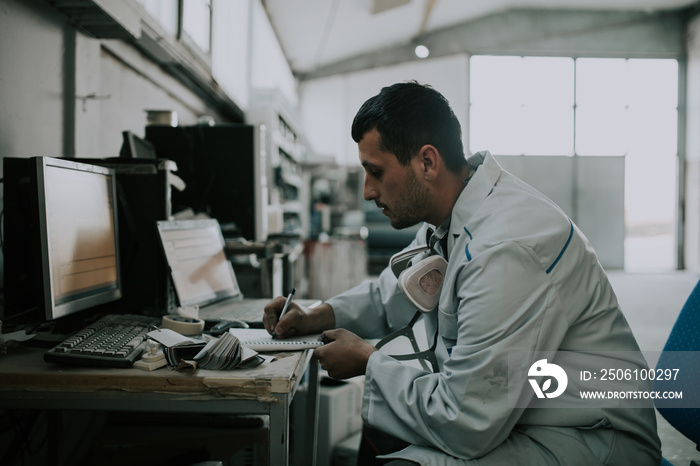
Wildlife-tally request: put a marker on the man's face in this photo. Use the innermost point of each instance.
(394, 188)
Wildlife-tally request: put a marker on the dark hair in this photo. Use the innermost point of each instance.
(408, 116)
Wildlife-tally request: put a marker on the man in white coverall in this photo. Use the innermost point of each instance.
(520, 276)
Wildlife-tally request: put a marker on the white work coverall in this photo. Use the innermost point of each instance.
(520, 276)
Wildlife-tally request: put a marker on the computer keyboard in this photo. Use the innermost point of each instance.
(115, 340)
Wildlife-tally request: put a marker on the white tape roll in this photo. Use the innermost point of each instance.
(183, 325)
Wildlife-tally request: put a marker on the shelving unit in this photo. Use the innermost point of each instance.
(286, 151)
(287, 208)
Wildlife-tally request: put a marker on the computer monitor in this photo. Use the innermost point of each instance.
(61, 239)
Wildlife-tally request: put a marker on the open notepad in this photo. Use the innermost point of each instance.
(259, 340)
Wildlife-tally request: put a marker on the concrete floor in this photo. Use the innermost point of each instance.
(651, 302)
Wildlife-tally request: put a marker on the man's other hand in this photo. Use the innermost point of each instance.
(345, 355)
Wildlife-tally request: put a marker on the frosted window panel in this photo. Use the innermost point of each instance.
(495, 80)
(497, 129)
(547, 81)
(601, 131)
(196, 22)
(601, 81)
(548, 130)
(653, 83)
(508, 80)
(650, 190)
(165, 12)
(229, 50)
(653, 132)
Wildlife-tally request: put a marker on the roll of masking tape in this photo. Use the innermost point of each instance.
(183, 325)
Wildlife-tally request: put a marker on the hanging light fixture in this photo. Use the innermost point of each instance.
(422, 51)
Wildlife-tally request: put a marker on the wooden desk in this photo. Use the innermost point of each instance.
(27, 382)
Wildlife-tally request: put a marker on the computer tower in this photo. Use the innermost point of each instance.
(224, 171)
(144, 197)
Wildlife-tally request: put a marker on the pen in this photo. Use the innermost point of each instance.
(286, 306)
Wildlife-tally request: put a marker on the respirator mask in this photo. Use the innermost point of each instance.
(421, 282)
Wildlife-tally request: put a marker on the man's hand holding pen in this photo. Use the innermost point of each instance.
(285, 308)
(284, 318)
(343, 355)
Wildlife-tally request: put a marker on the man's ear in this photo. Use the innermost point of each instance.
(430, 161)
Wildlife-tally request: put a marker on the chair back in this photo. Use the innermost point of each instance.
(682, 352)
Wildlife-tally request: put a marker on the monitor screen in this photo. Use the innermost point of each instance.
(194, 250)
(78, 235)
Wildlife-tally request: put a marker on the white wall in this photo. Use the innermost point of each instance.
(120, 80)
(328, 105)
(31, 85)
(126, 84)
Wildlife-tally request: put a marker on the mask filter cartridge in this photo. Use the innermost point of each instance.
(421, 283)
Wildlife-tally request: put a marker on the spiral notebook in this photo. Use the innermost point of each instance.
(258, 339)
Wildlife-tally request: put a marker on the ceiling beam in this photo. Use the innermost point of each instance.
(536, 32)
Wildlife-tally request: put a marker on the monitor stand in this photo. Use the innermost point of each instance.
(50, 334)
(45, 340)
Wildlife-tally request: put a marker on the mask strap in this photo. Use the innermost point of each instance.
(421, 356)
(406, 331)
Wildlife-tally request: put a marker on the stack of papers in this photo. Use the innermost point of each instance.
(223, 353)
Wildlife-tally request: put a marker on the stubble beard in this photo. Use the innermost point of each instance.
(414, 203)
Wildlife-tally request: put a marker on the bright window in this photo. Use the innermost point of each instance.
(562, 106)
(522, 105)
(188, 20)
(196, 22)
(591, 107)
